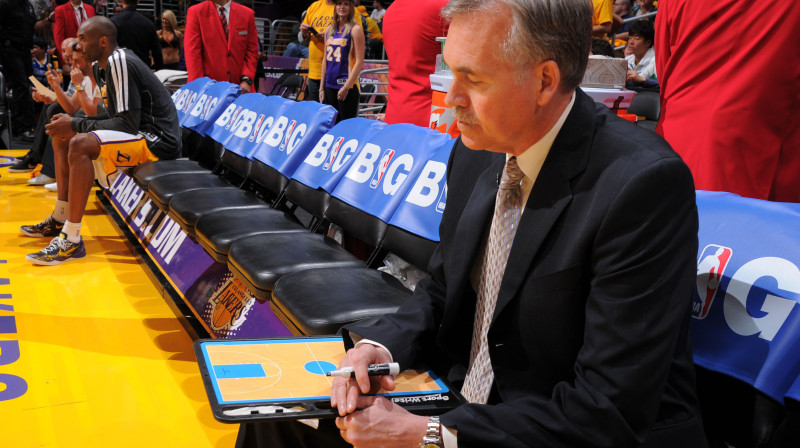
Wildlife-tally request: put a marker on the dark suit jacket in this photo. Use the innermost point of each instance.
(66, 25)
(138, 33)
(590, 338)
(207, 53)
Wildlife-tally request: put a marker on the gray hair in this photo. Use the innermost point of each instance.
(541, 30)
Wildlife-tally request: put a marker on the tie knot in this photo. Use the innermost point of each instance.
(512, 175)
(222, 10)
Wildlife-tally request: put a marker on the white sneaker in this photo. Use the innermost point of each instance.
(41, 179)
(52, 187)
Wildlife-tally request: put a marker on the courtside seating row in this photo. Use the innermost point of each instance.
(273, 159)
(280, 160)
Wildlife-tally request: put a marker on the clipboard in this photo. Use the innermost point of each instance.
(274, 379)
(44, 91)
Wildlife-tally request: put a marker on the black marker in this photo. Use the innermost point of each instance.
(391, 368)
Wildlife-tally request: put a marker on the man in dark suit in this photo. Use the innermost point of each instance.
(220, 42)
(567, 293)
(138, 34)
(68, 17)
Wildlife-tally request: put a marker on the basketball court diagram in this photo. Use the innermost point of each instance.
(289, 370)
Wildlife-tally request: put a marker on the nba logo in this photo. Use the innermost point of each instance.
(259, 122)
(189, 102)
(334, 152)
(206, 107)
(233, 118)
(384, 164)
(710, 267)
(289, 131)
(442, 201)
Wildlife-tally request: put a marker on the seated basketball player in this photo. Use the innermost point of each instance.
(141, 125)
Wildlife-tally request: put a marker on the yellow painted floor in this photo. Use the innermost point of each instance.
(106, 362)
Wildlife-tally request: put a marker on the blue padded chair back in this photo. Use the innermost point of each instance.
(745, 310)
(382, 173)
(209, 105)
(184, 97)
(328, 161)
(289, 140)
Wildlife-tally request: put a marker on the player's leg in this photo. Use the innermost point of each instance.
(83, 149)
(74, 170)
(54, 223)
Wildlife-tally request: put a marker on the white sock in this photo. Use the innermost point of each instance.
(73, 231)
(60, 212)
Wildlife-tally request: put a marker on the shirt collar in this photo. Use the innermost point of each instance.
(531, 161)
(227, 6)
(80, 5)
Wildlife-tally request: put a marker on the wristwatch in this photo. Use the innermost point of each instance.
(79, 88)
(247, 80)
(433, 438)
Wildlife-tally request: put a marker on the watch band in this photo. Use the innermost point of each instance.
(247, 80)
(79, 88)
(433, 436)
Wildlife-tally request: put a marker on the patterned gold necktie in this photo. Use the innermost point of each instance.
(224, 21)
(507, 210)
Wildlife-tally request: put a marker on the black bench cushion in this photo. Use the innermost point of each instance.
(162, 189)
(217, 230)
(321, 301)
(260, 260)
(146, 172)
(187, 207)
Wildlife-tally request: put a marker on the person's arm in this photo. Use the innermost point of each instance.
(123, 90)
(69, 104)
(193, 45)
(155, 51)
(323, 69)
(357, 34)
(87, 104)
(251, 53)
(601, 29)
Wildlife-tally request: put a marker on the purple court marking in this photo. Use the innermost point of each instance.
(8, 324)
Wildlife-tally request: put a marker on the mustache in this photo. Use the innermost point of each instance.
(464, 115)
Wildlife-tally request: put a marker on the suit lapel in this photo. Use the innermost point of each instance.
(550, 195)
(475, 219)
(215, 14)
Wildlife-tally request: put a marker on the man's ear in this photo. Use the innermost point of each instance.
(549, 76)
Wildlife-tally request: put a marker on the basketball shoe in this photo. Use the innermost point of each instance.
(60, 250)
(45, 229)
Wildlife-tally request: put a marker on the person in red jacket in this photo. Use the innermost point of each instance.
(730, 96)
(221, 42)
(410, 29)
(68, 17)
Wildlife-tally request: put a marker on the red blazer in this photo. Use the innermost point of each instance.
(207, 52)
(66, 25)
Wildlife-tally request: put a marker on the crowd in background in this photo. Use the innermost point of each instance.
(32, 33)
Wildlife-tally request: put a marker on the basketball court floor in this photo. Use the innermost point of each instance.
(91, 355)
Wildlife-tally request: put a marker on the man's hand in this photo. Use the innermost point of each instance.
(634, 77)
(60, 126)
(77, 76)
(381, 423)
(322, 94)
(53, 78)
(245, 87)
(345, 391)
(39, 98)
